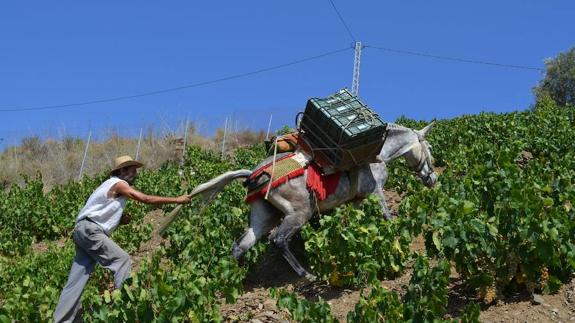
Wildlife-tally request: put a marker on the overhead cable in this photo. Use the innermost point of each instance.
(174, 89)
(342, 21)
(456, 59)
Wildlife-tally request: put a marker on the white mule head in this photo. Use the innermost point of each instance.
(420, 159)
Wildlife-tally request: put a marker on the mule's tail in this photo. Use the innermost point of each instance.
(215, 185)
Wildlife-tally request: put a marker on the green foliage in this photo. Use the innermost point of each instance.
(381, 305)
(401, 178)
(30, 285)
(356, 246)
(183, 282)
(250, 157)
(502, 211)
(425, 299)
(559, 80)
(162, 291)
(166, 181)
(301, 309)
(470, 313)
(28, 215)
(284, 130)
(426, 296)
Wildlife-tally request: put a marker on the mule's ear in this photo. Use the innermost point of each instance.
(425, 130)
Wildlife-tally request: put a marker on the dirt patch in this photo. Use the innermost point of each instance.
(417, 244)
(42, 246)
(341, 300)
(524, 158)
(393, 200)
(255, 305)
(273, 271)
(559, 307)
(147, 248)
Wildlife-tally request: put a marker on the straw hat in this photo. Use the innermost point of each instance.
(125, 161)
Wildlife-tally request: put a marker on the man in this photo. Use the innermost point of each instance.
(96, 221)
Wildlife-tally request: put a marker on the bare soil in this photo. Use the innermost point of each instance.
(393, 200)
(42, 246)
(559, 307)
(147, 248)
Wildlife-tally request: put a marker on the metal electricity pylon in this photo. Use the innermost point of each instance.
(356, 66)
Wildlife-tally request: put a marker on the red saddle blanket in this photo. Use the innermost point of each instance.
(322, 185)
(286, 169)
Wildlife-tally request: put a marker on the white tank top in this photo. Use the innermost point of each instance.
(104, 211)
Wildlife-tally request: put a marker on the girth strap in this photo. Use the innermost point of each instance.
(353, 181)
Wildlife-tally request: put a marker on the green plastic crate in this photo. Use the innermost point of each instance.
(344, 130)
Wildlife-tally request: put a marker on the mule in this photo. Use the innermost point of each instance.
(289, 206)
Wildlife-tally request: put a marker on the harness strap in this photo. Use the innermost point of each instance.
(273, 168)
(354, 181)
(422, 153)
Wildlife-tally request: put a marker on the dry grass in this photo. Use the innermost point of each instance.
(59, 161)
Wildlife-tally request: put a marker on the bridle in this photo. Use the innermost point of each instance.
(424, 158)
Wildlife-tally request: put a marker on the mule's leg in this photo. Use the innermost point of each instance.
(379, 172)
(295, 203)
(383, 203)
(263, 218)
(289, 226)
(379, 192)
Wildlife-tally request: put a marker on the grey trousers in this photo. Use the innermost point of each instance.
(92, 246)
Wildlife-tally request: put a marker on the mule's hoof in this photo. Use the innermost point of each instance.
(308, 285)
(311, 278)
(237, 252)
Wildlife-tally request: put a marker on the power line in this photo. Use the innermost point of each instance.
(456, 59)
(342, 21)
(179, 88)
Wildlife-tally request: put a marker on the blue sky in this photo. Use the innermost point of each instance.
(64, 52)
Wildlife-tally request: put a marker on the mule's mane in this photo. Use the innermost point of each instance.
(395, 126)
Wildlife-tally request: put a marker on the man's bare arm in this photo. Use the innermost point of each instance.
(129, 192)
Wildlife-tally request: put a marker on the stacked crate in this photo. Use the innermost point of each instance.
(342, 130)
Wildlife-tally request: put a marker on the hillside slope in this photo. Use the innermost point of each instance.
(498, 228)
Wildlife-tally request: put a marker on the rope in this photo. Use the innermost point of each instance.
(273, 167)
(330, 144)
(174, 213)
(367, 114)
(314, 198)
(326, 136)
